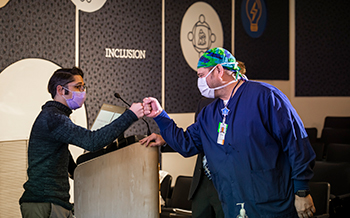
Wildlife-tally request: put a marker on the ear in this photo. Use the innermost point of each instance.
(59, 90)
(221, 71)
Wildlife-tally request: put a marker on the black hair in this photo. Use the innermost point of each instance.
(62, 77)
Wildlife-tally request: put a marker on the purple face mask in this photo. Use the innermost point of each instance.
(77, 99)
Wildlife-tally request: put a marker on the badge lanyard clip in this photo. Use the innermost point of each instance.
(222, 125)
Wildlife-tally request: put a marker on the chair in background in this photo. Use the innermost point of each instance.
(179, 205)
(316, 144)
(320, 192)
(319, 151)
(338, 176)
(165, 188)
(312, 133)
(338, 152)
(337, 122)
(331, 135)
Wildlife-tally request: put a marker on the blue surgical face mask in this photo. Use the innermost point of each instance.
(77, 99)
(205, 90)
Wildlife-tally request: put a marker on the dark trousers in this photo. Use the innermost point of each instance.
(44, 210)
(205, 202)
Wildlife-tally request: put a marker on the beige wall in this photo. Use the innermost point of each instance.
(13, 173)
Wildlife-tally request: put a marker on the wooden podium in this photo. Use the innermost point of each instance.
(122, 183)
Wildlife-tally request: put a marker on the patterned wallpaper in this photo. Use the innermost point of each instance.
(322, 48)
(37, 29)
(121, 25)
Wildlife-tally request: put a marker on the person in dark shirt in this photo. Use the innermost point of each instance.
(46, 192)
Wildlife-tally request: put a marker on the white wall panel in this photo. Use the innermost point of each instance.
(13, 174)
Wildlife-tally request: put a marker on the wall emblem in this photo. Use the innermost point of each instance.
(201, 36)
(89, 5)
(254, 17)
(3, 3)
(201, 30)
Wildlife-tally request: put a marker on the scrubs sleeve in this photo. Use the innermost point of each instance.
(288, 129)
(187, 143)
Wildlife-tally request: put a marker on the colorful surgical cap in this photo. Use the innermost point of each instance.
(217, 56)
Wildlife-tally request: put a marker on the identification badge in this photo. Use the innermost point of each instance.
(222, 132)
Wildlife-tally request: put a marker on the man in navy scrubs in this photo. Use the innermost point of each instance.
(254, 141)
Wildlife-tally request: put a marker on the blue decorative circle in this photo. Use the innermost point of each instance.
(254, 17)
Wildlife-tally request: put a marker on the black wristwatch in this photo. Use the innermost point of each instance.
(303, 193)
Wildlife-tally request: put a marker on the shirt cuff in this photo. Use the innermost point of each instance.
(301, 185)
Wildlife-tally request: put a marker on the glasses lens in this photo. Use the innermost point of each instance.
(80, 87)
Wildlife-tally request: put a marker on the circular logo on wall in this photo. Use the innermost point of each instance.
(254, 17)
(200, 31)
(3, 3)
(89, 5)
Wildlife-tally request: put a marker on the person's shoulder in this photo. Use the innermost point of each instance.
(267, 91)
(258, 86)
(54, 112)
(54, 107)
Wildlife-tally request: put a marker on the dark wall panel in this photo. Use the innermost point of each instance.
(322, 48)
(133, 25)
(266, 57)
(37, 29)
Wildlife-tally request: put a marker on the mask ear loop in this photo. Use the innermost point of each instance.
(66, 91)
(210, 71)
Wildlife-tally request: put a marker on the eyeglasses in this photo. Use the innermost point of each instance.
(79, 87)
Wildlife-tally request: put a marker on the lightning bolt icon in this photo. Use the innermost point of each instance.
(254, 11)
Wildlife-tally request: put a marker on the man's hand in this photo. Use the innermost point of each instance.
(137, 108)
(152, 107)
(158, 140)
(304, 206)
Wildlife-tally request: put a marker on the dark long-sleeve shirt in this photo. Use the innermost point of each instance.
(48, 154)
